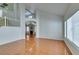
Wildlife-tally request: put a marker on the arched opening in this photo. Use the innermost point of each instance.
(30, 28)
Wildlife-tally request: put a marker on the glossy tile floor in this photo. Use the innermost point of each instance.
(33, 46)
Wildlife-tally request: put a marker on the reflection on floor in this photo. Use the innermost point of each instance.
(33, 46)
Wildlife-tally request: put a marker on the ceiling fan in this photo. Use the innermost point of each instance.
(3, 5)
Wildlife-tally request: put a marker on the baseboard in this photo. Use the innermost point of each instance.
(50, 38)
(6, 42)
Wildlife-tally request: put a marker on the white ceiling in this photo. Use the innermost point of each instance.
(55, 8)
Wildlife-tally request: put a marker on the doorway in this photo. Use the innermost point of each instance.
(30, 28)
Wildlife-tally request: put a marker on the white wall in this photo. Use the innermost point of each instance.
(22, 20)
(9, 34)
(50, 26)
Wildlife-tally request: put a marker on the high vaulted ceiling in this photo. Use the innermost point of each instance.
(54, 8)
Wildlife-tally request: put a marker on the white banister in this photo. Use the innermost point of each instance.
(5, 18)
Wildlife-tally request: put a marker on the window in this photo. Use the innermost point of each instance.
(69, 29)
(29, 14)
(75, 25)
(9, 14)
(27, 28)
(72, 28)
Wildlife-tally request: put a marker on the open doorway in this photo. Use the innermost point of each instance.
(31, 24)
(30, 28)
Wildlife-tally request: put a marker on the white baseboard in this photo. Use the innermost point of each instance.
(50, 38)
